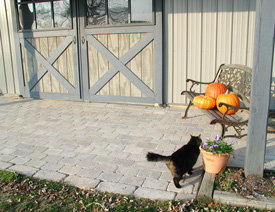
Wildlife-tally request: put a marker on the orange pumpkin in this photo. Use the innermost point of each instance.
(204, 102)
(215, 89)
(229, 98)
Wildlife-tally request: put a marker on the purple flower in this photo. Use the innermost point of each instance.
(217, 137)
(207, 140)
(204, 145)
(214, 146)
(233, 142)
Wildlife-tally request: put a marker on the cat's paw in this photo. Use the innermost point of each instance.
(176, 182)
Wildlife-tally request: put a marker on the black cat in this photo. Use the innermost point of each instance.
(181, 161)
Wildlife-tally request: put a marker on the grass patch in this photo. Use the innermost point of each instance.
(20, 193)
(6, 176)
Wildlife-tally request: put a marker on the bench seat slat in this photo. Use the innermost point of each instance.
(213, 113)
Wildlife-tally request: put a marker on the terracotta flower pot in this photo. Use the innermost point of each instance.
(214, 163)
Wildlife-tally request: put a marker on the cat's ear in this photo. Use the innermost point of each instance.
(199, 136)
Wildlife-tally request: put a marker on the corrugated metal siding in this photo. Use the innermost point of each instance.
(8, 72)
(200, 35)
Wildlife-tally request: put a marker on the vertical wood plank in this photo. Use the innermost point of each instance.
(39, 86)
(54, 82)
(124, 46)
(45, 52)
(24, 64)
(70, 64)
(62, 65)
(260, 88)
(35, 65)
(30, 69)
(147, 76)
(93, 64)
(103, 65)
(135, 64)
(113, 46)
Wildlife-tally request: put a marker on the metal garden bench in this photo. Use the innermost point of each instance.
(238, 79)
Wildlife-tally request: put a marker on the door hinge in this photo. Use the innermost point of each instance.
(83, 39)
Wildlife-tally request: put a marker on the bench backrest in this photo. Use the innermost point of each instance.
(238, 79)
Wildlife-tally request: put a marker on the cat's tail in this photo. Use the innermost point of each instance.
(156, 157)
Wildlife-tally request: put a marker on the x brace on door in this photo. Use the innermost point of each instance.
(120, 64)
(47, 64)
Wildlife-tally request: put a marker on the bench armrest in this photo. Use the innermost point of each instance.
(231, 107)
(194, 82)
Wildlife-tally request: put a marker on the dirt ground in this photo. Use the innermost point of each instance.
(234, 180)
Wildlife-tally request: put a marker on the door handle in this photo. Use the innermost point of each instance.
(74, 40)
(83, 39)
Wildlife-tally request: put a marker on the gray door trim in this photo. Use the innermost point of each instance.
(159, 57)
(47, 64)
(154, 33)
(123, 99)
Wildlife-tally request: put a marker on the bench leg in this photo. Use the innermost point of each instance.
(186, 111)
(238, 130)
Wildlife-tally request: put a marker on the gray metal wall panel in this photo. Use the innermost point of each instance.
(3, 81)
(9, 84)
(201, 35)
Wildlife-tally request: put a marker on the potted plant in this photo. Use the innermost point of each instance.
(215, 154)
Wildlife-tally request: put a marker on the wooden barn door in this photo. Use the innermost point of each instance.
(119, 44)
(121, 50)
(48, 49)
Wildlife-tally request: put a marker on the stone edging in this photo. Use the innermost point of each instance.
(224, 197)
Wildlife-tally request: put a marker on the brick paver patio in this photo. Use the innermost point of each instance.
(103, 146)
